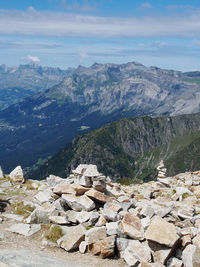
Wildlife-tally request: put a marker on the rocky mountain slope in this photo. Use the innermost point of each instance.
(25, 80)
(154, 224)
(132, 148)
(42, 124)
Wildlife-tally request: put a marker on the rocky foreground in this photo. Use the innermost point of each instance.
(151, 224)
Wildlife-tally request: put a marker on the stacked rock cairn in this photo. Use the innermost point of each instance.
(161, 170)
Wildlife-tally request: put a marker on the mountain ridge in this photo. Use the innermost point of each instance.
(132, 148)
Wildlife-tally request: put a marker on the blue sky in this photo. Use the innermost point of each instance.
(68, 33)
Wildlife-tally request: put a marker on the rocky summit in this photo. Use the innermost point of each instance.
(150, 224)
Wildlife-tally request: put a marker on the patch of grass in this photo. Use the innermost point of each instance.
(89, 227)
(21, 209)
(54, 234)
(174, 191)
(185, 195)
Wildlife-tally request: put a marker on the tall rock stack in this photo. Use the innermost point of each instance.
(161, 170)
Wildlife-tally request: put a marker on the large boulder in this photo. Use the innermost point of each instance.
(131, 226)
(73, 238)
(79, 203)
(99, 196)
(24, 229)
(17, 175)
(162, 232)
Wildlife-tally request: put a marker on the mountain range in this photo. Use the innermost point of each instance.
(87, 98)
(25, 80)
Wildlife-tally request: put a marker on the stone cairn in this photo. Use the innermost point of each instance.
(153, 224)
(161, 170)
(1, 173)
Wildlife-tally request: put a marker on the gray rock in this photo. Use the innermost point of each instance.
(2, 236)
(112, 228)
(14, 217)
(191, 256)
(131, 226)
(85, 181)
(83, 247)
(79, 203)
(38, 216)
(137, 252)
(24, 229)
(59, 220)
(44, 196)
(73, 238)
(110, 215)
(174, 262)
(162, 232)
(95, 234)
(6, 184)
(29, 258)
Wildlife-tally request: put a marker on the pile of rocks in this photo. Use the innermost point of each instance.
(151, 224)
(161, 170)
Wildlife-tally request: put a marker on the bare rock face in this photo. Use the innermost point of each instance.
(162, 232)
(73, 238)
(131, 226)
(17, 175)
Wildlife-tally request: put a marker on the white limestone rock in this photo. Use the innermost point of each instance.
(79, 203)
(17, 175)
(24, 229)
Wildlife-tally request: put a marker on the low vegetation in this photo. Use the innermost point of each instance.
(54, 233)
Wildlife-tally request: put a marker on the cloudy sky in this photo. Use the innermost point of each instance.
(68, 33)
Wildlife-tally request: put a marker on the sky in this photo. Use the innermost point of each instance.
(68, 33)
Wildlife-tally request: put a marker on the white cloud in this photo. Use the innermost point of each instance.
(145, 5)
(77, 6)
(33, 59)
(58, 24)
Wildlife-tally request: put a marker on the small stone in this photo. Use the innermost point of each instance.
(186, 240)
(73, 238)
(99, 185)
(85, 181)
(63, 189)
(101, 221)
(131, 226)
(114, 205)
(59, 220)
(83, 247)
(112, 228)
